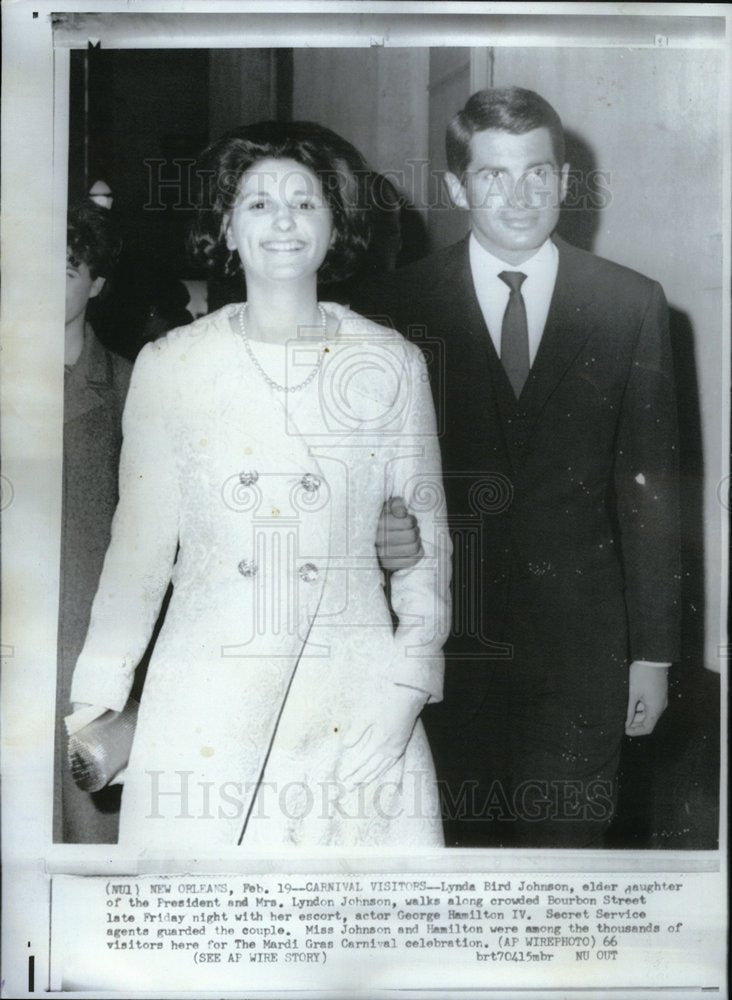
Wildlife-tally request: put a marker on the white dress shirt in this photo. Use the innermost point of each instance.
(492, 292)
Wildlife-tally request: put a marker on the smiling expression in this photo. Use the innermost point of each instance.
(513, 188)
(281, 225)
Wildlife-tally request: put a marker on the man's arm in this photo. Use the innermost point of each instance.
(420, 596)
(646, 487)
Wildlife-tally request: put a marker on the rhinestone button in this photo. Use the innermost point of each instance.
(247, 567)
(310, 483)
(248, 478)
(308, 572)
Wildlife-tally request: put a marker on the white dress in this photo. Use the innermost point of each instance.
(262, 507)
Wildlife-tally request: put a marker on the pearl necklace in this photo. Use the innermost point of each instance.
(255, 361)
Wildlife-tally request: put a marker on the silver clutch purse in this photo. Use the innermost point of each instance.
(101, 748)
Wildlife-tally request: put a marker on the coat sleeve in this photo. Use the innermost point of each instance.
(141, 553)
(420, 596)
(647, 491)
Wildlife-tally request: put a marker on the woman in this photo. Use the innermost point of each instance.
(260, 442)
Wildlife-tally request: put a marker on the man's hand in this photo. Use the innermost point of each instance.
(398, 544)
(647, 698)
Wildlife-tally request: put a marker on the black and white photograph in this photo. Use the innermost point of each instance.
(365, 522)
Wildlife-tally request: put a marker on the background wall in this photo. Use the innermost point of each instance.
(449, 86)
(377, 98)
(141, 108)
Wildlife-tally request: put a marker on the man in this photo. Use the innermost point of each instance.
(95, 386)
(552, 378)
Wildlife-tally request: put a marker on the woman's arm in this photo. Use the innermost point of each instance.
(420, 595)
(141, 553)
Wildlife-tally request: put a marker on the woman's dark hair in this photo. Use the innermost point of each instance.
(508, 109)
(92, 238)
(342, 171)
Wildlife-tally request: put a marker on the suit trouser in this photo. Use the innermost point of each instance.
(527, 749)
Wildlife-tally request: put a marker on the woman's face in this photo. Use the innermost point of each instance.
(281, 224)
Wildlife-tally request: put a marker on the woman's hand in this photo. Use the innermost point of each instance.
(384, 738)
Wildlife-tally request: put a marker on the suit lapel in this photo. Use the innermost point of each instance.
(463, 317)
(498, 391)
(566, 331)
(459, 295)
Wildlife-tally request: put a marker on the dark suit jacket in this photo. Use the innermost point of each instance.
(563, 505)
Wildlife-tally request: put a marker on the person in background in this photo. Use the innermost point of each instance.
(95, 387)
(141, 301)
(142, 304)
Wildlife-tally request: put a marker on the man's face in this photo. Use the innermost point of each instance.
(80, 287)
(513, 189)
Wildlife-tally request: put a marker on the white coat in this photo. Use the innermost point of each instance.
(262, 506)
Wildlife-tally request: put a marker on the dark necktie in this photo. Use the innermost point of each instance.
(515, 333)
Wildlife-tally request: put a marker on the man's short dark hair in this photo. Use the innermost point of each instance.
(507, 109)
(342, 171)
(92, 238)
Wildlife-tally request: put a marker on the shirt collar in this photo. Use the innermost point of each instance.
(540, 263)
